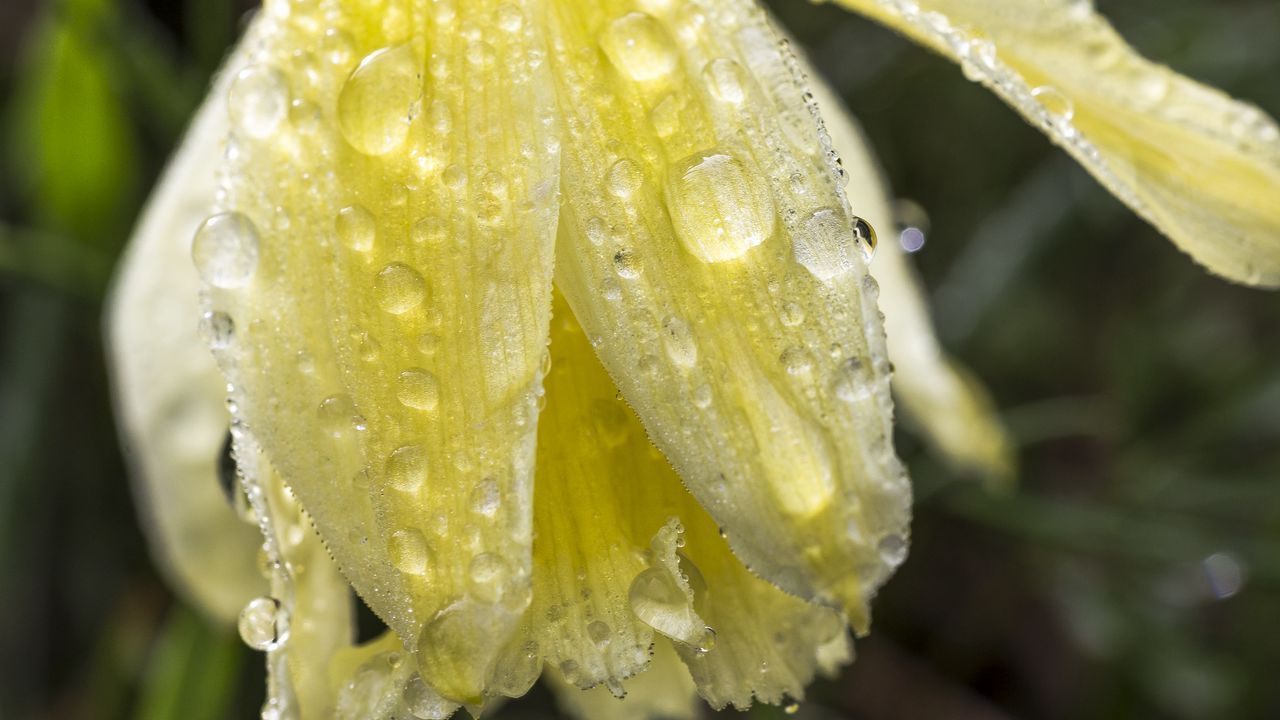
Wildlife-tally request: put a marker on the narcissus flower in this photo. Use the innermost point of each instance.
(553, 320)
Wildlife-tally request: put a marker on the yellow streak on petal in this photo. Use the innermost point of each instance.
(935, 391)
(398, 167)
(625, 557)
(707, 249)
(1200, 166)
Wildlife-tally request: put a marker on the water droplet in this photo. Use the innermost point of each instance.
(866, 237)
(665, 116)
(425, 703)
(258, 100)
(1055, 103)
(399, 288)
(702, 396)
(510, 19)
(338, 416)
(792, 314)
(718, 208)
(407, 468)
(485, 497)
(488, 574)
(418, 389)
(599, 632)
(707, 642)
(218, 329)
(821, 243)
(225, 250)
(356, 228)
(678, 342)
(262, 625)
(408, 551)
(893, 549)
(639, 47)
(980, 61)
(850, 381)
(610, 289)
(724, 78)
(658, 602)
(627, 264)
(378, 101)
(796, 360)
(624, 179)
(428, 344)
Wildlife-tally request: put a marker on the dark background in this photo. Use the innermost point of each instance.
(1143, 393)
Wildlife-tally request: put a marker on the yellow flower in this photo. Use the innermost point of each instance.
(437, 245)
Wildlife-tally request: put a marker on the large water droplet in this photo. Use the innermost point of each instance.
(408, 551)
(356, 228)
(724, 78)
(262, 625)
(225, 250)
(624, 179)
(379, 100)
(399, 288)
(893, 549)
(639, 47)
(407, 468)
(258, 100)
(658, 602)
(418, 389)
(718, 208)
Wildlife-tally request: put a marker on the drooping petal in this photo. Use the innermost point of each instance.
(625, 557)
(170, 398)
(707, 249)
(934, 391)
(383, 264)
(1201, 167)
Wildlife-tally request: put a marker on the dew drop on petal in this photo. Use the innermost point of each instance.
(261, 624)
(425, 703)
(418, 389)
(719, 209)
(218, 329)
(356, 228)
(378, 101)
(678, 342)
(658, 602)
(407, 468)
(639, 47)
(408, 551)
(399, 288)
(258, 100)
(724, 78)
(225, 250)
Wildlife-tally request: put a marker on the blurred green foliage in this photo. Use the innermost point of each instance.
(1134, 573)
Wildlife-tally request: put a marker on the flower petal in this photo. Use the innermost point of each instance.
(169, 395)
(625, 557)
(935, 391)
(384, 267)
(707, 249)
(1201, 167)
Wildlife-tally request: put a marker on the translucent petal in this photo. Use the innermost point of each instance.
(937, 393)
(663, 692)
(169, 395)
(707, 249)
(385, 255)
(1200, 166)
(624, 556)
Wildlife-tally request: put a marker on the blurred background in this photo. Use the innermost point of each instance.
(1133, 573)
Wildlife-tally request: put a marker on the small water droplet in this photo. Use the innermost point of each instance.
(624, 179)
(1055, 103)
(639, 47)
(510, 19)
(678, 342)
(218, 329)
(262, 625)
(407, 468)
(850, 381)
(792, 314)
(796, 360)
(399, 288)
(378, 101)
(428, 344)
(724, 78)
(702, 396)
(718, 208)
(599, 632)
(418, 389)
(893, 549)
(225, 250)
(356, 228)
(408, 551)
(627, 265)
(338, 416)
(821, 243)
(258, 100)
(488, 575)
